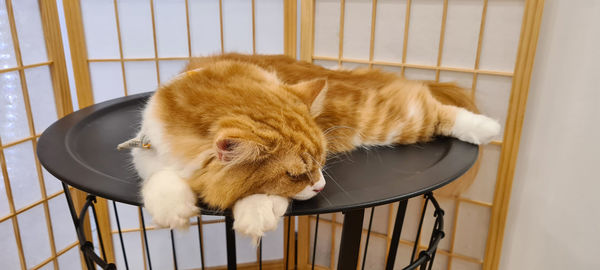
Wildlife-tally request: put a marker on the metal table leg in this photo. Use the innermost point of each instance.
(230, 238)
(350, 242)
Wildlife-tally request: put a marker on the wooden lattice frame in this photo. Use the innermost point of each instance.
(514, 122)
(499, 207)
(83, 84)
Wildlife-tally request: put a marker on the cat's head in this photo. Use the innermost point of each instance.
(265, 140)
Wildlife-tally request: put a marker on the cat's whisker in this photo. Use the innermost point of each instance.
(337, 184)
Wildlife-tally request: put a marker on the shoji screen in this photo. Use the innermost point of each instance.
(125, 47)
(35, 227)
(484, 46)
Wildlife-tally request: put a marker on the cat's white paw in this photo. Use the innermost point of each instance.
(256, 214)
(169, 200)
(474, 128)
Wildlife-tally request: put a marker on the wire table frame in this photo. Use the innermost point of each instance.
(80, 151)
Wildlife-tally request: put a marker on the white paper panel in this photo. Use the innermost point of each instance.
(389, 30)
(22, 174)
(100, 29)
(326, 64)
(187, 248)
(269, 26)
(204, 27)
(357, 29)
(441, 262)
(135, 20)
(8, 53)
(159, 244)
(52, 184)
(13, 116)
(465, 265)
(29, 28)
(214, 237)
(462, 33)
(327, 27)
(171, 29)
(62, 224)
(424, 32)
(128, 216)
(473, 222)
(380, 220)
(244, 250)
(133, 248)
(323, 253)
(47, 266)
(169, 68)
(411, 218)
(376, 253)
(4, 208)
(41, 96)
(429, 221)
(336, 246)
(273, 243)
(141, 76)
(501, 36)
(419, 74)
(493, 96)
(9, 257)
(393, 69)
(402, 256)
(34, 235)
(463, 79)
(107, 81)
(237, 26)
(482, 188)
(70, 260)
(351, 65)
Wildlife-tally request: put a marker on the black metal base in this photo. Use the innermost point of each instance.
(349, 246)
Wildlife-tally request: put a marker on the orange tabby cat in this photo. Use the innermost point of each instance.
(249, 132)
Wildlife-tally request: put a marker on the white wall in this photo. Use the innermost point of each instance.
(554, 216)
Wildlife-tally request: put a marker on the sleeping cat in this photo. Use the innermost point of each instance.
(249, 132)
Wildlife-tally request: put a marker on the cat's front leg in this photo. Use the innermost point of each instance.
(256, 214)
(169, 199)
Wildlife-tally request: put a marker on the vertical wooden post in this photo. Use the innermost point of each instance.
(85, 97)
(290, 26)
(307, 29)
(512, 134)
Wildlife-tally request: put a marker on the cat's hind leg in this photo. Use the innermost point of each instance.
(467, 126)
(169, 199)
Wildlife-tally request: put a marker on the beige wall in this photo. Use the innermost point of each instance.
(554, 216)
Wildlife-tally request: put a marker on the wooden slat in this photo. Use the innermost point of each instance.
(512, 133)
(479, 42)
(441, 40)
(120, 42)
(307, 30)
(292, 239)
(405, 40)
(418, 66)
(303, 242)
(341, 33)
(81, 71)
(154, 39)
(290, 27)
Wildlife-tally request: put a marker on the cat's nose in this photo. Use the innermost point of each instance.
(318, 189)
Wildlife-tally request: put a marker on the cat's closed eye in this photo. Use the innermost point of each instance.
(296, 176)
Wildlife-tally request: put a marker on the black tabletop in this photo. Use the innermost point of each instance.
(80, 150)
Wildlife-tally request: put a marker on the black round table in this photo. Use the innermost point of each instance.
(80, 150)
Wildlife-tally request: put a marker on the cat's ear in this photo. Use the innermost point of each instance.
(236, 150)
(312, 93)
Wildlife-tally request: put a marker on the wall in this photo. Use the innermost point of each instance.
(554, 216)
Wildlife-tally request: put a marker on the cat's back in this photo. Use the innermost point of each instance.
(292, 71)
